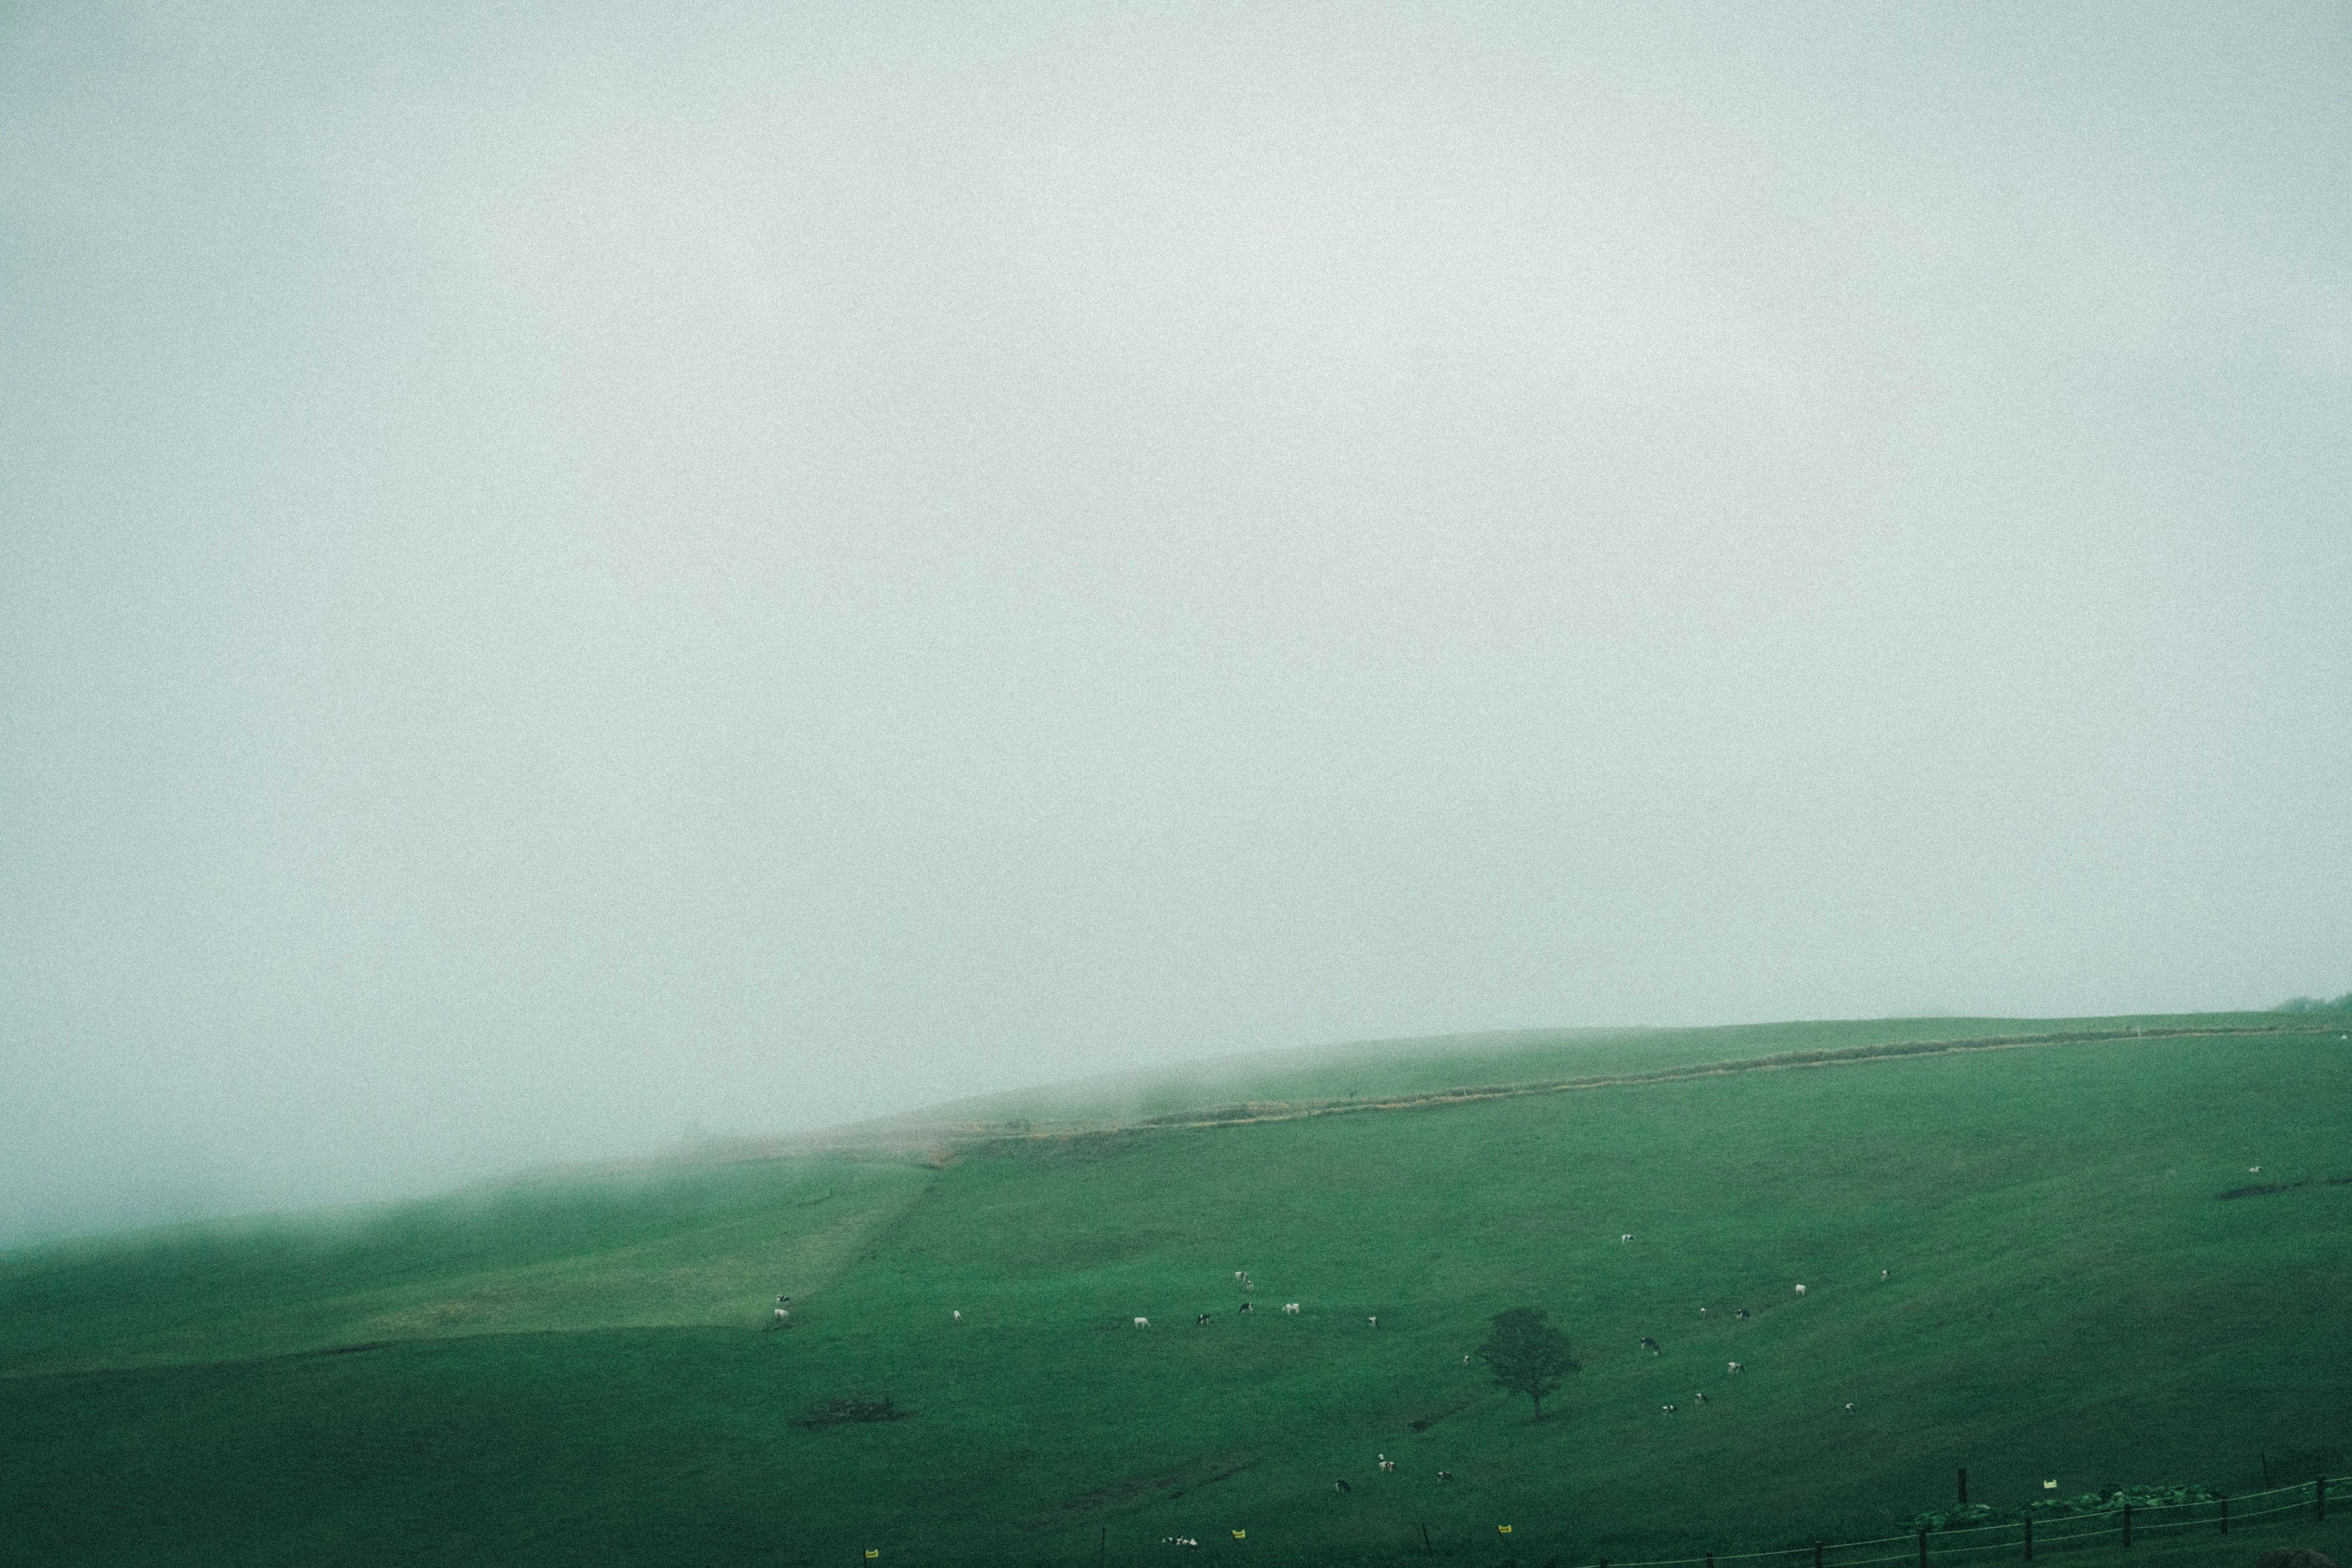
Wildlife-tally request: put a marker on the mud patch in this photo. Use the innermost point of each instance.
(1207, 1471)
(851, 1412)
(1424, 1423)
(2268, 1189)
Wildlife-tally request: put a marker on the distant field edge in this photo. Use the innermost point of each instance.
(1843, 1056)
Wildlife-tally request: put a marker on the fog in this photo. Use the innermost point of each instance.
(568, 574)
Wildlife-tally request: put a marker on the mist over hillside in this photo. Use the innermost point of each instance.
(571, 574)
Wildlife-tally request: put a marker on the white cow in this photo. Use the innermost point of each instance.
(958, 1317)
(1143, 1322)
(1291, 1308)
(1736, 1367)
(1376, 1322)
(1801, 1289)
(1624, 1239)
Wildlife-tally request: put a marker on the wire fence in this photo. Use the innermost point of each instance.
(2121, 1523)
(2096, 1533)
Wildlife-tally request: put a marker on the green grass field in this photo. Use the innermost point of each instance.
(576, 1371)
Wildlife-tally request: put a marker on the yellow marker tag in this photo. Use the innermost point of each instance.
(1241, 1535)
(871, 1553)
(1503, 1528)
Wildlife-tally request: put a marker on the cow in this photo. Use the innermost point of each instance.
(1741, 1314)
(1376, 1320)
(1386, 1464)
(1668, 1408)
(1444, 1476)
(1651, 1345)
(1143, 1322)
(1882, 1275)
(1202, 1321)
(1700, 1397)
(1801, 1289)
(1849, 1408)
(1734, 1367)
(1342, 1486)
(1291, 1308)
(958, 1317)
(1624, 1239)
(1246, 1307)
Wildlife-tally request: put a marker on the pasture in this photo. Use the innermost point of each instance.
(579, 1370)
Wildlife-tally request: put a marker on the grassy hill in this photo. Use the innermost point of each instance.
(575, 1371)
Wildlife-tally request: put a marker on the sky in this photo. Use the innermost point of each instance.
(573, 573)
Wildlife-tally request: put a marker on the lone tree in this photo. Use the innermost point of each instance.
(1526, 1355)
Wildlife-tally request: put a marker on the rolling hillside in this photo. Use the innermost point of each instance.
(577, 1370)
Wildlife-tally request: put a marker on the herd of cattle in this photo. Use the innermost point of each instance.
(1241, 1276)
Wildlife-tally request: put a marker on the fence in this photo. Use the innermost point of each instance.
(2025, 1539)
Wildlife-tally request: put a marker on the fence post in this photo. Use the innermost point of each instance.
(1427, 1550)
(1923, 1549)
(2029, 1537)
(1964, 1486)
(2126, 1527)
(2319, 1495)
(2225, 1515)
(1817, 1554)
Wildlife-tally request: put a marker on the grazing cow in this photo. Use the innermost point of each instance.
(1386, 1464)
(1741, 1314)
(1342, 1486)
(1143, 1322)
(1375, 1320)
(1849, 1408)
(1650, 1344)
(1700, 1397)
(1668, 1408)
(1624, 1239)
(1702, 1311)
(1465, 1361)
(1444, 1476)
(1291, 1308)
(1882, 1274)
(783, 1317)
(1237, 1273)
(783, 1301)
(1245, 1306)
(1801, 1289)
(1201, 1321)
(1736, 1367)
(958, 1317)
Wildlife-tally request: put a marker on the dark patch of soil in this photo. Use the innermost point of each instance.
(851, 1411)
(2267, 1189)
(354, 1350)
(1424, 1423)
(1206, 1472)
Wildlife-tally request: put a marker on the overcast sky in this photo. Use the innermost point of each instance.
(570, 570)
